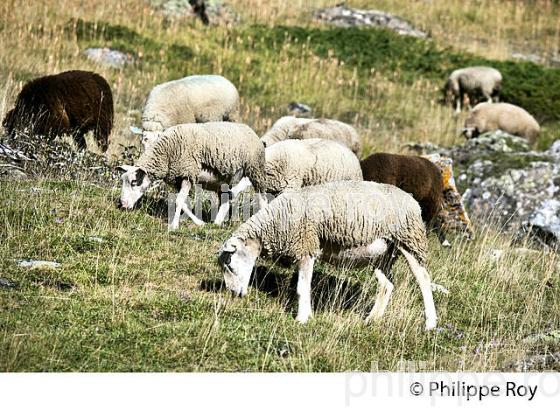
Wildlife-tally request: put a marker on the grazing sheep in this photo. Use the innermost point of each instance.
(293, 164)
(72, 102)
(472, 82)
(193, 99)
(415, 175)
(506, 117)
(290, 127)
(354, 222)
(187, 154)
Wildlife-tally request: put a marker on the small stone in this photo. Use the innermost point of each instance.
(439, 289)
(5, 283)
(38, 264)
(96, 239)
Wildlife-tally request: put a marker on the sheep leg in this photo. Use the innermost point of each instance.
(223, 211)
(458, 104)
(181, 205)
(425, 283)
(383, 296)
(305, 273)
(234, 192)
(241, 186)
(438, 227)
(197, 221)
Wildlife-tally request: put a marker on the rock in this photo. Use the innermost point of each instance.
(12, 163)
(536, 363)
(454, 215)
(552, 336)
(96, 239)
(506, 183)
(543, 224)
(439, 289)
(346, 17)
(56, 158)
(108, 57)
(534, 58)
(217, 11)
(36, 264)
(299, 109)
(12, 172)
(5, 283)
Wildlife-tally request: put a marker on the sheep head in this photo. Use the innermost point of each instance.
(135, 182)
(237, 258)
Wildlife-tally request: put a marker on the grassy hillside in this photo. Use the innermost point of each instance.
(145, 299)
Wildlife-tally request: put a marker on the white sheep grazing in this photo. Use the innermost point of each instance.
(193, 99)
(210, 154)
(506, 117)
(293, 164)
(354, 222)
(472, 81)
(291, 127)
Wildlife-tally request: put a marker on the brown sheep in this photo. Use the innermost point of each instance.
(415, 175)
(73, 102)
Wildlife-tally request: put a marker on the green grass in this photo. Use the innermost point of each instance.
(145, 299)
(148, 300)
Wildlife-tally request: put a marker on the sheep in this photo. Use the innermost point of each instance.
(349, 222)
(506, 117)
(290, 127)
(193, 99)
(472, 82)
(416, 175)
(187, 154)
(293, 164)
(72, 102)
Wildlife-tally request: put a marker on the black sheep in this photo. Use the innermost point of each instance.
(73, 102)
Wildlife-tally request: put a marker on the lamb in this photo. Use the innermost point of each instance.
(416, 175)
(290, 127)
(472, 82)
(187, 154)
(72, 102)
(193, 99)
(357, 222)
(506, 117)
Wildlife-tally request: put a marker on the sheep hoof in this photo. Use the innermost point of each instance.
(446, 244)
(302, 319)
(431, 324)
(201, 223)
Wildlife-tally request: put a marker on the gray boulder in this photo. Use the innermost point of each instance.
(108, 57)
(343, 16)
(217, 11)
(506, 183)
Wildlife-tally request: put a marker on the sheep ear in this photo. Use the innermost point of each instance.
(229, 246)
(136, 130)
(125, 168)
